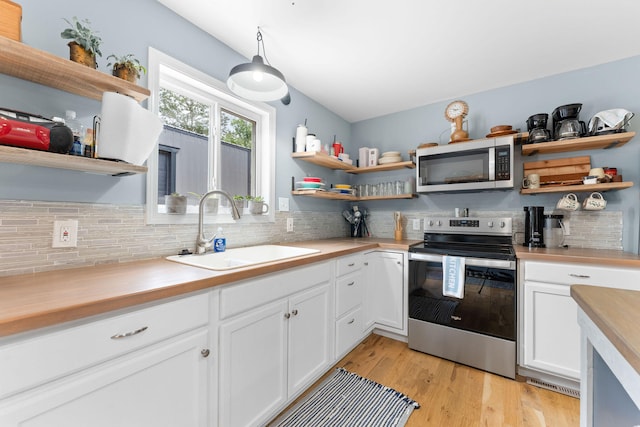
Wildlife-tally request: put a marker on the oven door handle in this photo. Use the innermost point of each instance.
(473, 262)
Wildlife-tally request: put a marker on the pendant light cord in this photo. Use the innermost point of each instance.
(261, 42)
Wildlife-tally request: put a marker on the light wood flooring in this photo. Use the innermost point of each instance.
(454, 395)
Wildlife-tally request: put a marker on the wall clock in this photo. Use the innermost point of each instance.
(455, 112)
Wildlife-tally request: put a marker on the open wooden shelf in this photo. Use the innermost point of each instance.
(25, 156)
(327, 161)
(578, 144)
(383, 168)
(579, 188)
(337, 196)
(28, 63)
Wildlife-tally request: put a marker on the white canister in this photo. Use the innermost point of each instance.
(315, 145)
(301, 138)
(309, 141)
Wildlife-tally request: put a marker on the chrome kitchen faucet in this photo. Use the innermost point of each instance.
(202, 243)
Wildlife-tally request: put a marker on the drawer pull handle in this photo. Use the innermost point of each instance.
(129, 334)
(294, 311)
(205, 352)
(351, 284)
(579, 276)
(351, 321)
(351, 265)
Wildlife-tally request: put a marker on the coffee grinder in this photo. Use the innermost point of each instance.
(534, 226)
(537, 128)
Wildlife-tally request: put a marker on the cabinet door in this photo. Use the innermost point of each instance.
(384, 273)
(253, 362)
(310, 338)
(162, 385)
(551, 331)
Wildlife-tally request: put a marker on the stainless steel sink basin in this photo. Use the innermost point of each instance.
(242, 257)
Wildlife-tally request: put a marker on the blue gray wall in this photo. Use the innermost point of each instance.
(133, 26)
(612, 85)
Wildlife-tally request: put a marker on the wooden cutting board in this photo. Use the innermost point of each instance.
(566, 171)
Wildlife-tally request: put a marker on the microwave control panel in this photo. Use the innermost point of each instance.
(503, 163)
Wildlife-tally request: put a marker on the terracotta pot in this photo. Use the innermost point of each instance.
(78, 54)
(125, 73)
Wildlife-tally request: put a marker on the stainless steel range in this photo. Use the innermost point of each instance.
(479, 329)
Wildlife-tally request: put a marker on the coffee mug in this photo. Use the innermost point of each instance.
(594, 202)
(569, 202)
(258, 208)
(532, 181)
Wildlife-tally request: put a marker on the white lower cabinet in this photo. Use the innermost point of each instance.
(386, 288)
(165, 383)
(272, 352)
(349, 319)
(549, 334)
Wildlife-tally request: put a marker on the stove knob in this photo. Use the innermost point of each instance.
(430, 223)
(490, 224)
(438, 223)
(502, 224)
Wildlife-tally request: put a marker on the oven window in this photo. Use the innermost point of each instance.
(452, 168)
(488, 306)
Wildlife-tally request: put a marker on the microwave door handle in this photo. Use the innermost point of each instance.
(472, 262)
(492, 164)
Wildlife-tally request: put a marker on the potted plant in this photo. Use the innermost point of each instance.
(257, 206)
(175, 203)
(84, 44)
(240, 201)
(126, 67)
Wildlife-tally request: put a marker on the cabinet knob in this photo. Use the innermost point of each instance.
(287, 315)
(398, 262)
(366, 263)
(294, 311)
(205, 352)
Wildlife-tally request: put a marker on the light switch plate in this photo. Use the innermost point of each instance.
(416, 224)
(283, 204)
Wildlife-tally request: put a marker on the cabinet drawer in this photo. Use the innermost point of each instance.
(349, 292)
(242, 296)
(348, 264)
(348, 332)
(581, 274)
(34, 360)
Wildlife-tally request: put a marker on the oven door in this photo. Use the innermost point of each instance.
(489, 303)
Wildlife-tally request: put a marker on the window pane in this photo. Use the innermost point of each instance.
(237, 153)
(183, 146)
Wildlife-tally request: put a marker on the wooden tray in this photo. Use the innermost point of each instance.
(566, 171)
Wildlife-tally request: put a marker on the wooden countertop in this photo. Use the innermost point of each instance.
(615, 312)
(32, 301)
(578, 255)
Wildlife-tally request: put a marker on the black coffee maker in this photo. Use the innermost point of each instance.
(537, 128)
(566, 124)
(534, 226)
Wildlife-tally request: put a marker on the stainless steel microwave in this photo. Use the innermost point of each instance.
(484, 164)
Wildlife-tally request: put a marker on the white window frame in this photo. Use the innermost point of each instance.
(265, 149)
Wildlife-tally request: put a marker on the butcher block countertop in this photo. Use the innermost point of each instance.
(32, 301)
(585, 256)
(615, 312)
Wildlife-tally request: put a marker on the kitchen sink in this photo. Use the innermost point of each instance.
(242, 257)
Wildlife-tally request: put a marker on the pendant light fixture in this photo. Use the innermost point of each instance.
(258, 81)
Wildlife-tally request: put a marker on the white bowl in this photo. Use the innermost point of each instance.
(391, 154)
(387, 160)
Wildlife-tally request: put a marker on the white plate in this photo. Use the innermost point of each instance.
(391, 154)
(387, 160)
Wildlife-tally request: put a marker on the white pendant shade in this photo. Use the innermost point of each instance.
(257, 81)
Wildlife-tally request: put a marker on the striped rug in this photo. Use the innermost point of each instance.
(348, 400)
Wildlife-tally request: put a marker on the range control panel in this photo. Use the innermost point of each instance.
(500, 226)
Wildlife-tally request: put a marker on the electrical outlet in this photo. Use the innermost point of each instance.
(416, 224)
(289, 225)
(283, 204)
(65, 234)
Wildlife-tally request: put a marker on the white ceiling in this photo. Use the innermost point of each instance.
(366, 58)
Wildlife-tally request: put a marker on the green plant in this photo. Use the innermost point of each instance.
(258, 199)
(127, 61)
(81, 33)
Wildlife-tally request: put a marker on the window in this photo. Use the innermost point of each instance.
(211, 139)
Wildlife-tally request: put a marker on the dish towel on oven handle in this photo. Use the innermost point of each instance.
(453, 275)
